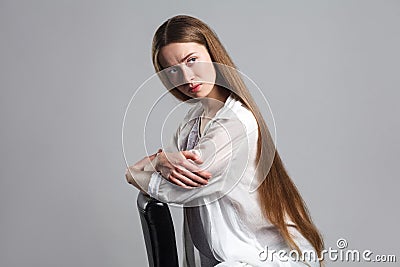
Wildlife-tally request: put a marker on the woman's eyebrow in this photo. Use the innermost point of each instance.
(188, 55)
(183, 59)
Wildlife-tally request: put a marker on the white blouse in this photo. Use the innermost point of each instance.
(234, 227)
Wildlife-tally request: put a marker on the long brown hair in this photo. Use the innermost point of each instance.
(277, 193)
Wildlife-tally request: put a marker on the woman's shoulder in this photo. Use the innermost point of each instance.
(236, 110)
(233, 111)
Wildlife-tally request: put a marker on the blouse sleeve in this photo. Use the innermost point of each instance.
(224, 150)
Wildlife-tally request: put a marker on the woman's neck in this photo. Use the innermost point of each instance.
(214, 101)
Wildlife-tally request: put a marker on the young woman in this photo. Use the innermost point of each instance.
(221, 147)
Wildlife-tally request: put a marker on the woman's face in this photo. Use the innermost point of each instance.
(189, 68)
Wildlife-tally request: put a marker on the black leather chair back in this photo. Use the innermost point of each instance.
(158, 232)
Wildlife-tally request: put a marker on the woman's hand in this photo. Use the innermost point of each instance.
(137, 167)
(146, 162)
(177, 168)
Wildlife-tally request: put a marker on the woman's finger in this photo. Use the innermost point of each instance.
(192, 176)
(193, 156)
(178, 182)
(184, 179)
(195, 169)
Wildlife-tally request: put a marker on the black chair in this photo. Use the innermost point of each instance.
(158, 232)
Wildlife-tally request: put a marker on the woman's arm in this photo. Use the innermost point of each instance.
(173, 165)
(180, 168)
(176, 164)
(137, 176)
(225, 151)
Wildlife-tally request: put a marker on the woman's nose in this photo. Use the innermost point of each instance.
(187, 74)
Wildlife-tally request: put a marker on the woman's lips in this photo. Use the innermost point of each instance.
(195, 88)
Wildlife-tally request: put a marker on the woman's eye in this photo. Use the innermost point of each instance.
(191, 60)
(172, 70)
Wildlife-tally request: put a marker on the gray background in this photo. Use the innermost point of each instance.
(330, 70)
